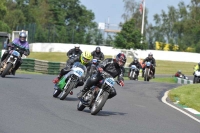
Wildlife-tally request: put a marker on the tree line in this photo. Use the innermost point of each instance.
(63, 21)
(179, 27)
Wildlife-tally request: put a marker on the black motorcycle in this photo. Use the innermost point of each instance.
(10, 62)
(96, 97)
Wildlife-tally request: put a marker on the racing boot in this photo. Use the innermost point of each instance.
(81, 93)
(56, 80)
(71, 92)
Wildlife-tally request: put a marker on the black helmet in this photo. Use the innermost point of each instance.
(98, 49)
(22, 36)
(121, 59)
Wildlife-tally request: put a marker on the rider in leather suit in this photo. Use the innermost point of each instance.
(153, 62)
(114, 67)
(97, 54)
(85, 59)
(20, 43)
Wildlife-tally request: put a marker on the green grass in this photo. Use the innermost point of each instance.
(163, 67)
(161, 80)
(188, 95)
(164, 80)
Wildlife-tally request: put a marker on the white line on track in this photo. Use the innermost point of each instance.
(164, 101)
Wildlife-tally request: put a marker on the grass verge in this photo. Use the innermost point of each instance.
(164, 80)
(188, 95)
(160, 79)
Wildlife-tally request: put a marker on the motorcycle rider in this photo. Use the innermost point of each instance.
(197, 67)
(178, 73)
(151, 59)
(114, 67)
(137, 64)
(97, 54)
(84, 58)
(20, 43)
(76, 51)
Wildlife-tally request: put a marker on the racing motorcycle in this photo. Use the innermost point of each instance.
(96, 97)
(10, 62)
(147, 71)
(69, 81)
(93, 68)
(196, 77)
(132, 74)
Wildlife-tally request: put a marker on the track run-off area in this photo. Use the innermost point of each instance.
(27, 106)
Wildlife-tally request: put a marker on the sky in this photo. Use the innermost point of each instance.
(113, 9)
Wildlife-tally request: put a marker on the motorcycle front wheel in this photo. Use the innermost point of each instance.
(80, 106)
(6, 70)
(98, 105)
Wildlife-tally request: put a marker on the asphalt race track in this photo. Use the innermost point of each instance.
(27, 106)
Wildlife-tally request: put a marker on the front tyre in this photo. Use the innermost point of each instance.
(80, 106)
(146, 75)
(66, 92)
(56, 93)
(98, 105)
(6, 70)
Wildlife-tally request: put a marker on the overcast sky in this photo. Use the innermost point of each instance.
(115, 8)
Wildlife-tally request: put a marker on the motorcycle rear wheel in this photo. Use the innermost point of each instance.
(56, 93)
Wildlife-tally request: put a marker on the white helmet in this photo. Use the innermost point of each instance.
(77, 46)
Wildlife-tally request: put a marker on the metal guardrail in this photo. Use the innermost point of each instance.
(46, 67)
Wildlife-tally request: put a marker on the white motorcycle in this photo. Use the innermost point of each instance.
(196, 77)
(69, 80)
(133, 75)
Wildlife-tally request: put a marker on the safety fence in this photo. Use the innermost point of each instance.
(182, 81)
(46, 67)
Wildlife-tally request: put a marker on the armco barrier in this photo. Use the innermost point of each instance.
(45, 67)
(182, 81)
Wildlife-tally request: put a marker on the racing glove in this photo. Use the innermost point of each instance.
(121, 83)
(100, 69)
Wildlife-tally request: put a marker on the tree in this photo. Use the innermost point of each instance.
(129, 37)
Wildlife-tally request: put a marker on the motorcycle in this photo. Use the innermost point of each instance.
(196, 77)
(132, 74)
(96, 97)
(69, 81)
(10, 62)
(148, 72)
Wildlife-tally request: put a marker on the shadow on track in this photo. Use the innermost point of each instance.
(15, 77)
(106, 113)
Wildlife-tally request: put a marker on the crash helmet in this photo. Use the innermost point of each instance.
(22, 36)
(77, 47)
(86, 57)
(135, 60)
(121, 59)
(98, 49)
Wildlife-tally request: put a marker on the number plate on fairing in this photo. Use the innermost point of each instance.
(110, 81)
